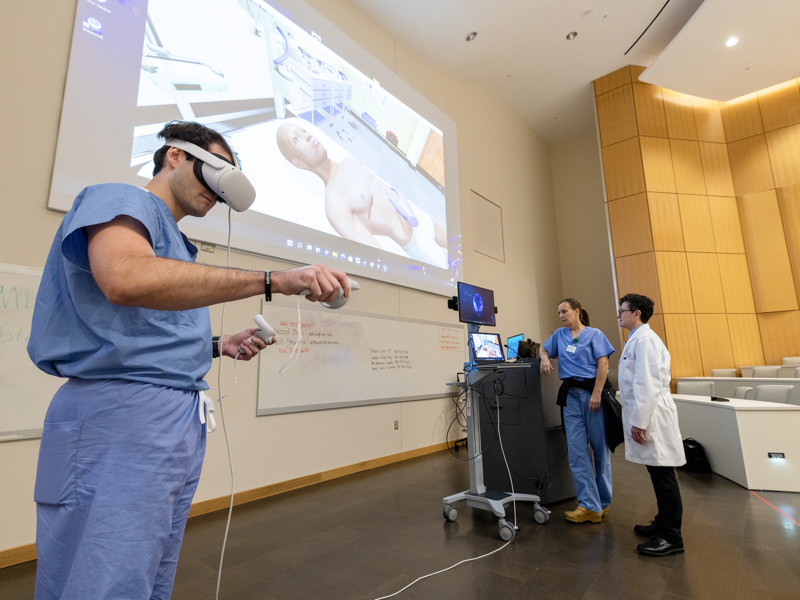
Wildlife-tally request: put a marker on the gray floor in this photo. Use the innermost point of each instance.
(368, 535)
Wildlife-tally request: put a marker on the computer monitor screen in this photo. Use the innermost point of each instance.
(513, 345)
(475, 305)
(486, 347)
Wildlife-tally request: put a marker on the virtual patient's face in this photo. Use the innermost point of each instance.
(301, 145)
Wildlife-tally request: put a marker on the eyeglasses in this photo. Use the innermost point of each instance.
(619, 312)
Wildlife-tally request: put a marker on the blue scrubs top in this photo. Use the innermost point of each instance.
(77, 332)
(582, 363)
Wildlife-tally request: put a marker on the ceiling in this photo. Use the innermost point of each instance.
(522, 53)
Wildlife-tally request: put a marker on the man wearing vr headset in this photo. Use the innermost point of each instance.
(122, 313)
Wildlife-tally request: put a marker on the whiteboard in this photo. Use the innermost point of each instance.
(353, 359)
(25, 391)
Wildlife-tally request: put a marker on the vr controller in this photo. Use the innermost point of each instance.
(224, 179)
(266, 332)
(341, 300)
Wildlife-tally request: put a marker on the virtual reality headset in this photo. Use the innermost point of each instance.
(218, 175)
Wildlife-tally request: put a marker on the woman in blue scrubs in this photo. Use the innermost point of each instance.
(582, 354)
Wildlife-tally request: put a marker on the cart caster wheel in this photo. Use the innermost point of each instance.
(506, 531)
(541, 515)
(450, 513)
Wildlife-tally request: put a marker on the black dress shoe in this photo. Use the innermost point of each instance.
(658, 546)
(646, 531)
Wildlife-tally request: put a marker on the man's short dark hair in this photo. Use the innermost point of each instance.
(641, 303)
(191, 132)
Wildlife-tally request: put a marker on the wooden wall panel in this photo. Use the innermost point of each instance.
(750, 166)
(650, 117)
(706, 283)
(789, 203)
(636, 274)
(612, 81)
(717, 169)
(735, 278)
(741, 118)
(656, 323)
(636, 71)
(622, 166)
(679, 111)
(616, 115)
(630, 225)
(683, 345)
(716, 351)
(745, 340)
(665, 221)
(784, 155)
(674, 283)
(698, 232)
(657, 165)
(688, 167)
(708, 118)
(780, 105)
(695, 219)
(727, 228)
(780, 335)
(767, 254)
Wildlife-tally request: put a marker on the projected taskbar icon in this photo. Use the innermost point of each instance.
(93, 27)
(336, 255)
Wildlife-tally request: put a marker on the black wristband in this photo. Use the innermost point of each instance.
(215, 347)
(268, 286)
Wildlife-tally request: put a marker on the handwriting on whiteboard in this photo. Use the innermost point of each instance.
(451, 338)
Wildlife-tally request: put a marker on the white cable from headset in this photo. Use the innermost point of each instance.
(222, 415)
(514, 524)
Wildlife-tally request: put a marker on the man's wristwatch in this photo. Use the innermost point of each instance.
(268, 286)
(215, 347)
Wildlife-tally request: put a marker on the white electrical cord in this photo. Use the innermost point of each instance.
(222, 414)
(514, 524)
(505, 460)
(443, 570)
(295, 352)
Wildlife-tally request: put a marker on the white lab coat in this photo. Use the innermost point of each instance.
(644, 378)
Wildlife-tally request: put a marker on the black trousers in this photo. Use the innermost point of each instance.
(670, 507)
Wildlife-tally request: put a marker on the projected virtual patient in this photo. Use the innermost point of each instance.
(359, 205)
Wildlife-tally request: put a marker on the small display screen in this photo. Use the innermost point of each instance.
(513, 345)
(486, 347)
(475, 305)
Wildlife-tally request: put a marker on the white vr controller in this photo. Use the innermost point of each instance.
(337, 302)
(224, 179)
(267, 333)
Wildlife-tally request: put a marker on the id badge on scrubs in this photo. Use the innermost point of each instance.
(571, 348)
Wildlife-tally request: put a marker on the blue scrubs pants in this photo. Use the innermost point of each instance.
(119, 463)
(585, 428)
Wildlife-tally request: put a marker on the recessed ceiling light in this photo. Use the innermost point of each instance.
(472, 35)
(732, 41)
(572, 35)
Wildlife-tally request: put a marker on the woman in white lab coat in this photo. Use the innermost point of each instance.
(650, 423)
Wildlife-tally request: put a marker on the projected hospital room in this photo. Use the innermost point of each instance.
(325, 146)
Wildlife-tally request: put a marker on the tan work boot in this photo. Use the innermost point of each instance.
(581, 515)
(604, 512)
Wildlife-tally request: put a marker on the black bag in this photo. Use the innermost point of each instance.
(696, 460)
(528, 349)
(612, 415)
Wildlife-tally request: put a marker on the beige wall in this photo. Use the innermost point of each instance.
(583, 239)
(499, 157)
